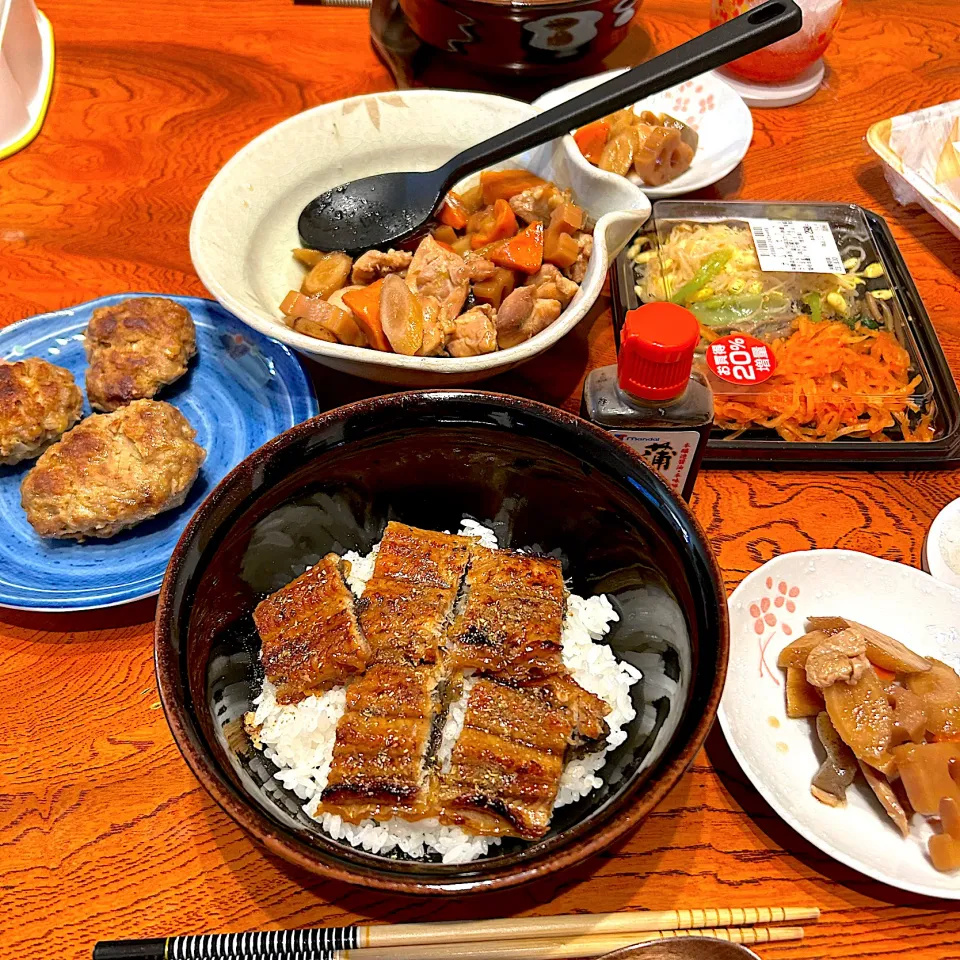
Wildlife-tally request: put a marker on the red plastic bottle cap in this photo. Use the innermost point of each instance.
(656, 351)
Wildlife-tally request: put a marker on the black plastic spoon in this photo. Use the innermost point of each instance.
(386, 209)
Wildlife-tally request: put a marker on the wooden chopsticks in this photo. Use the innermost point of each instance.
(567, 948)
(574, 925)
(518, 938)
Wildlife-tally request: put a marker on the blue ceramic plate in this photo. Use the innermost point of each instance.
(240, 391)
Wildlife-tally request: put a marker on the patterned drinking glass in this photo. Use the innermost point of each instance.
(788, 58)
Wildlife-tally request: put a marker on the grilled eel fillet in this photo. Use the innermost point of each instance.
(586, 711)
(511, 619)
(310, 637)
(506, 764)
(380, 767)
(408, 602)
(508, 760)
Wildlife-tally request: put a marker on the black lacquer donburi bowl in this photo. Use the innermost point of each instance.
(545, 479)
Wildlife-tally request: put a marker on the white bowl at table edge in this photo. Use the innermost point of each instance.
(225, 268)
(936, 562)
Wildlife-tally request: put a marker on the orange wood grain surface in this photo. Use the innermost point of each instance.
(103, 830)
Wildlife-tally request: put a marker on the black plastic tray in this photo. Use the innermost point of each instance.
(847, 454)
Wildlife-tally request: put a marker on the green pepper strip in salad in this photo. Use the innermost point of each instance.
(708, 270)
(812, 300)
(737, 308)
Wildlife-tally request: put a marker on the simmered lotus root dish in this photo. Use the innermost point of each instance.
(886, 712)
(655, 148)
(501, 264)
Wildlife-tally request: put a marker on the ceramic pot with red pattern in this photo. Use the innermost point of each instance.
(488, 44)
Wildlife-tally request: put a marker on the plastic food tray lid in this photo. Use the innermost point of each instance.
(813, 334)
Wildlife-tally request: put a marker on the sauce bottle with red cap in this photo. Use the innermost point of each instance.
(652, 399)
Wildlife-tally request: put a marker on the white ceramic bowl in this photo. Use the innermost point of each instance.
(934, 559)
(780, 756)
(708, 104)
(245, 224)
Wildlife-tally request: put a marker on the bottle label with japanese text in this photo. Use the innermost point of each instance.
(671, 454)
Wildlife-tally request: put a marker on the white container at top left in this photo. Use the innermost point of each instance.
(26, 73)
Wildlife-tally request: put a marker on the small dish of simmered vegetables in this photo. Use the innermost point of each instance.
(883, 711)
(677, 141)
(842, 705)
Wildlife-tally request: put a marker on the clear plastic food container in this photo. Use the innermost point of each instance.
(813, 336)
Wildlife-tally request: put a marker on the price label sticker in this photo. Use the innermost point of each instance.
(741, 359)
(796, 246)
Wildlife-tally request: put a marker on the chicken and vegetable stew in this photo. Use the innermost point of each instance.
(501, 264)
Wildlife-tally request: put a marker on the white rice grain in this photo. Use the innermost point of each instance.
(299, 738)
(471, 528)
(361, 569)
(452, 726)
(595, 668)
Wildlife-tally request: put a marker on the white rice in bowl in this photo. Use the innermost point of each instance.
(299, 737)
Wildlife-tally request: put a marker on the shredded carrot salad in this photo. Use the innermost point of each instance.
(831, 381)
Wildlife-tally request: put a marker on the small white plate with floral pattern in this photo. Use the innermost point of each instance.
(780, 756)
(708, 104)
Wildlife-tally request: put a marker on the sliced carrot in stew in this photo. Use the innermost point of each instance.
(501, 225)
(453, 213)
(365, 304)
(504, 184)
(886, 676)
(561, 250)
(592, 138)
(523, 252)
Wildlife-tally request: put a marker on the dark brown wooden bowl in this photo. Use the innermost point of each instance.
(547, 479)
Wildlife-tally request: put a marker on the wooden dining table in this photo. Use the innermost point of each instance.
(104, 832)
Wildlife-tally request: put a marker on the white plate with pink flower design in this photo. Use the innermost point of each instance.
(779, 755)
(708, 104)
